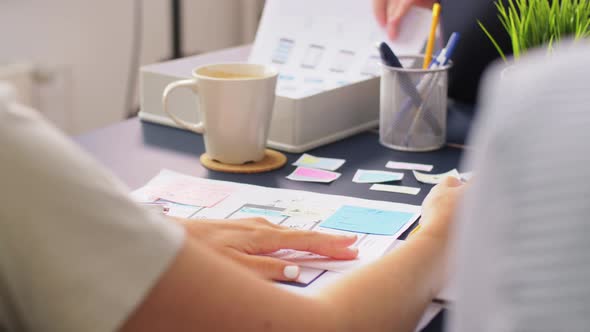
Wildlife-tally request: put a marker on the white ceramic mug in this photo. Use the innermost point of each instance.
(235, 103)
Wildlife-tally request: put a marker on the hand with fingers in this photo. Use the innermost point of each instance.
(389, 13)
(438, 208)
(243, 240)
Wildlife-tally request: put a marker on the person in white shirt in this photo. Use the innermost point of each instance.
(76, 254)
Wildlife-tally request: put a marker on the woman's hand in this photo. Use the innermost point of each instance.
(243, 239)
(438, 208)
(389, 13)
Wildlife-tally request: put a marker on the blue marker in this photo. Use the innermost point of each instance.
(388, 57)
(442, 59)
(391, 60)
(445, 55)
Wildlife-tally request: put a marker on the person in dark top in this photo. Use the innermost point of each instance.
(473, 53)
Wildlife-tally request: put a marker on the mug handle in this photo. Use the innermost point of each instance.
(198, 128)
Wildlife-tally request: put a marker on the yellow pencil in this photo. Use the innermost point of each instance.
(431, 36)
(415, 230)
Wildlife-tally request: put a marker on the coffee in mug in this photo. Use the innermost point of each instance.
(235, 103)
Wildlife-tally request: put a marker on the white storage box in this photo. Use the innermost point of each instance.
(327, 89)
(298, 124)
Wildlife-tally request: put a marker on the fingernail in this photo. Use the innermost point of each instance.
(392, 35)
(354, 250)
(291, 271)
(391, 31)
(352, 236)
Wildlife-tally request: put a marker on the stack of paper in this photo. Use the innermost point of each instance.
(322, 45)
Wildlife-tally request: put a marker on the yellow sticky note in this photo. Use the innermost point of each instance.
(307, 159)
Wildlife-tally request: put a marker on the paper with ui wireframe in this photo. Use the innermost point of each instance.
(330, 164)
(368, 176)
(435, 178)
(395, 189)
(365, 220)
(294, 209)
(306, 174)
(409, 166)
(322, 45)
(179, 210)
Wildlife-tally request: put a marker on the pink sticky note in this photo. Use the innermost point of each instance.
(314, 173)
(191, 192)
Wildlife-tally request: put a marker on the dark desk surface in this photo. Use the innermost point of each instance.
(137, 151)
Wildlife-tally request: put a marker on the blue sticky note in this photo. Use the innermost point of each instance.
(364, 176)
(364, 220)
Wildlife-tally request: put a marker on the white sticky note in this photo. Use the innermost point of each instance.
(466, 176)
(409, 166)
(395, 189)
(435, 178)
(330, 164)
(369, 176)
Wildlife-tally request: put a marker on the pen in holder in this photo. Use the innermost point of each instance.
(405, 124)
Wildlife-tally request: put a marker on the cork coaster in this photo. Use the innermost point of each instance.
(272, 160)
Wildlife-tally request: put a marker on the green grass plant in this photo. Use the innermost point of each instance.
(532, 23)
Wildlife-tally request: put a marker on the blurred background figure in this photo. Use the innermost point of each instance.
(475, 51)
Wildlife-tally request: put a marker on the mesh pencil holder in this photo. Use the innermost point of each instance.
(413, 106)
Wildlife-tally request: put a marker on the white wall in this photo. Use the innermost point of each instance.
(85, 46)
